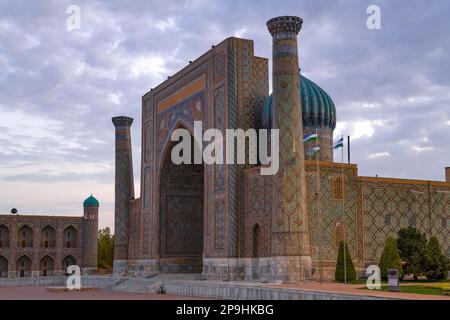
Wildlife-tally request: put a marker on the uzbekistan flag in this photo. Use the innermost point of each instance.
(314, 150)
(339, 143)
(310, 137)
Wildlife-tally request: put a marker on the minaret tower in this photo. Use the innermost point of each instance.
(124, 191)
(90, 235)
(290, 241)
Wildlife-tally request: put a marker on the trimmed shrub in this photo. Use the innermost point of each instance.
(390, 258)
(436, 262)
(412, 246)
(339, 273)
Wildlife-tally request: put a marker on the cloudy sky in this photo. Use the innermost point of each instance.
(59, 89)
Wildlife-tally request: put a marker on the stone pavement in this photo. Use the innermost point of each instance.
(182, 286)
(304, 291)
(355, 289)
(40, 293)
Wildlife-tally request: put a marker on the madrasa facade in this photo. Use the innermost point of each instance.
(44, 246)
(229, 222)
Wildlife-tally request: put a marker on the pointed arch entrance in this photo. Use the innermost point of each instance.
(256, 241)
(67, 262)
(23, 267)
(46, 266)
(256, 250)
(3, 267)
(181, 215)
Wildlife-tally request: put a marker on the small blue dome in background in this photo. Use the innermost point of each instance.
(91, 202)
(318, 108)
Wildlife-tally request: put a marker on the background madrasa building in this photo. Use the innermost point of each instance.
(228, 221)
(43, 246)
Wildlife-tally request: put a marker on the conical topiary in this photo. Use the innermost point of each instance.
(350, 268)
(390, 258)
(436, 262)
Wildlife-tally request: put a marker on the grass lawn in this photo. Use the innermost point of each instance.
(408, 282)
(424, 286)
(360, 281)
(420, 287)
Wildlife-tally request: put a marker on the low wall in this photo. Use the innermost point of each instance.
(234, 291)
(32, 281)
(86, 281)
(266, 269)
(204, 289)
(100, 282)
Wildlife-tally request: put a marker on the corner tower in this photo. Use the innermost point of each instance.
(90, 234)
(290, 238)
(124, 191)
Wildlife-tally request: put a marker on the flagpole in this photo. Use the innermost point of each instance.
(318, 208)
(343, 211)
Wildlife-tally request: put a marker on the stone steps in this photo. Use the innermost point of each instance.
(65, 289)
(151, 284)
(138, 285)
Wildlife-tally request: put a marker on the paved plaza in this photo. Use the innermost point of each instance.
(310, 290)
(40, 293)
(355, 289)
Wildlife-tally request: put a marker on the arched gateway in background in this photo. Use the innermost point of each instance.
(228, 221)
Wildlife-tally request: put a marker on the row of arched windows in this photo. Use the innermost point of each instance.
(24, 265)
(48, 237)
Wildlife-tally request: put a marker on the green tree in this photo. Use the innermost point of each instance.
(105, 249)
(390, 258)
(350, 268)
(436, 262)
(412, 246)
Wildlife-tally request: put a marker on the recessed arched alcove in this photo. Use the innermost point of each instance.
(181, 215)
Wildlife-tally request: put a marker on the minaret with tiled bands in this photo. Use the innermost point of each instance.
(290, 242)
(90, 235)
(124, 191)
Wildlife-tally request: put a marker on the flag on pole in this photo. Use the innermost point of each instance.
(313, 150)
(310, 137)
(339, 143)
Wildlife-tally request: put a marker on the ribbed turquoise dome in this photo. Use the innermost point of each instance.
(91, 202)
(318, 109)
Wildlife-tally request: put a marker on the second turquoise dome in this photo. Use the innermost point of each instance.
(318, 108)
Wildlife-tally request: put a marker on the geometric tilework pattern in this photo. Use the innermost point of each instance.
(258, 208)
(260, 88)
(124, 188)
(219, 115)
(186, 112)
(328, 226)
(387, 208)
(181, 210)
(290, 198)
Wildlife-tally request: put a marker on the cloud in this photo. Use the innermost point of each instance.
(168, 24)
(379, 155)
(59, 89)
(422, 149)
